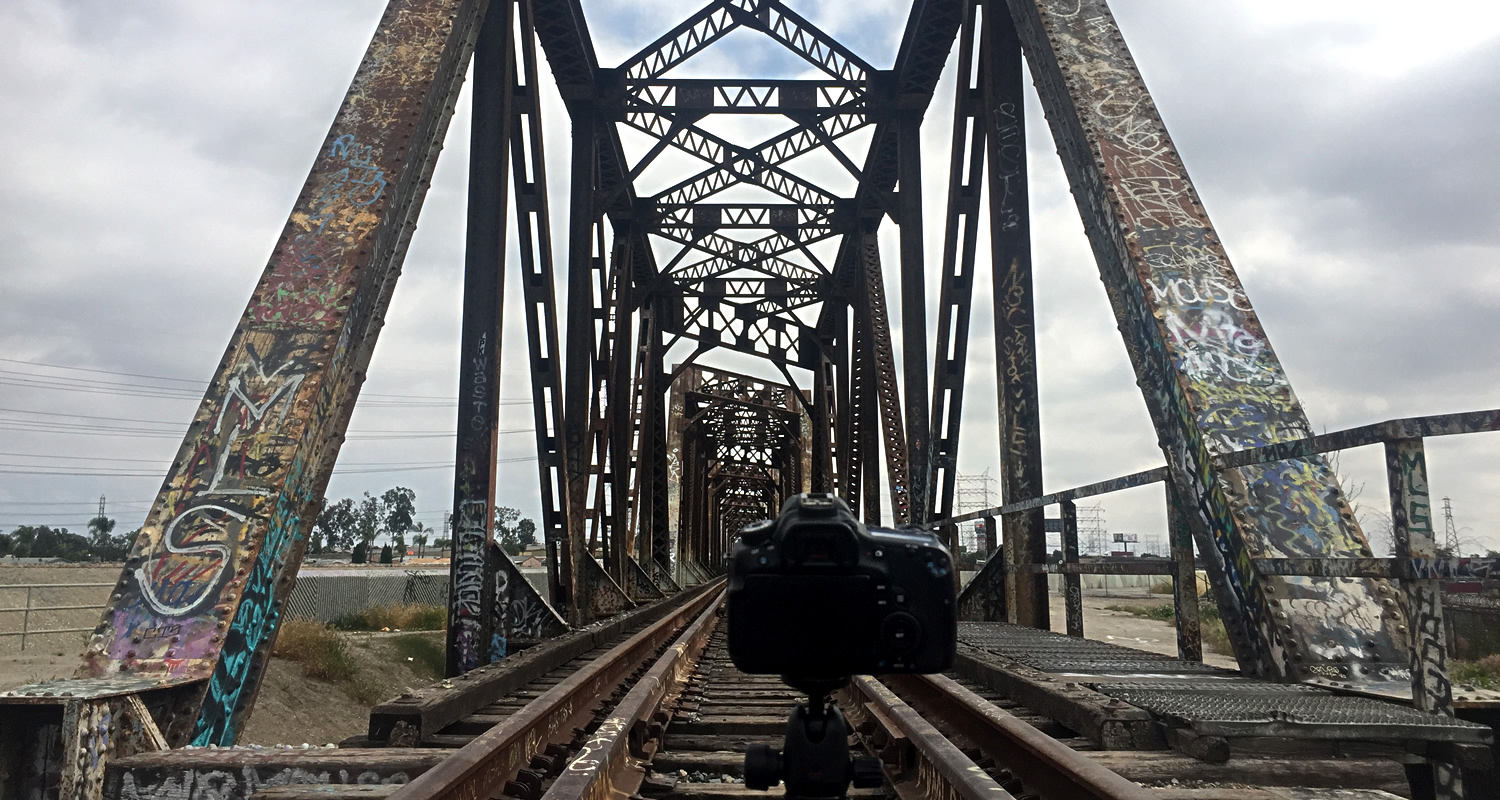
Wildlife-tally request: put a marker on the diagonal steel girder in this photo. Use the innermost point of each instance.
(202, 592)
(1211, 381)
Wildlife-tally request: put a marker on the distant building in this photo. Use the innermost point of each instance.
(529, 562)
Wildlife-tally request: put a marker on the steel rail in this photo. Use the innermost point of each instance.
(608, 765)
(478, 770)
(1042, 765)
(901, 736)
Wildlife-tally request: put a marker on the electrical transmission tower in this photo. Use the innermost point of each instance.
(1450, 531)
(1092, 530)
(975, 493)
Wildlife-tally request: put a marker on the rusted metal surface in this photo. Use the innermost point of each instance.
(203, 586)
(875, 323)
(608, 763)
(60, 736)
(955, 277)
(1184, 582)
(742, 453)
(918, 760)
(1072, 586)
(1109, 723)
(471, 641)
(1044, 766)
(476, 770)
(416, 715)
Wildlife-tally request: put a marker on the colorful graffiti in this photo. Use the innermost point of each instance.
(203, 586)
(1211, 379)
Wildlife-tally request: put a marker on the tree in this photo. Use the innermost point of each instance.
(506, 530)
(400, 504)
(361, 553)
(368, 515)
(106, 547)
(40, 541)
(385, 554)
(335, 524)
(526, 533)
(419, 537)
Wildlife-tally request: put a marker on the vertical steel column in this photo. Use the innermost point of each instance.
(1184, 580)
(913, 312)
(617, 411)
(822, 419)
(956, 279)
(1411, 527)
(1072, 588)
(989, 537)
(479, 347)
(539, 293)
(877, 328)
(578, 381)
(1015, 318)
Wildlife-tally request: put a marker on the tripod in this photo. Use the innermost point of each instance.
(814, 761)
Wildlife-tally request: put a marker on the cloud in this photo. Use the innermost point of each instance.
(152, 152)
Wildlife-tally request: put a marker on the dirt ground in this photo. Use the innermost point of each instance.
(293, 709)
(1128, 630)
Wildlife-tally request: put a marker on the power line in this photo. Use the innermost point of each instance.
(199, 385)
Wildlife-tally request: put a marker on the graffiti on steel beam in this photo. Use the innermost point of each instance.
(1211, 379)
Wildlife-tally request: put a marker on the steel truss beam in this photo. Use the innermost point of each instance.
(627, 450)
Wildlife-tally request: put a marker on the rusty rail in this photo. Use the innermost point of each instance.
(918, 760)
(1038, 764)
(482, 767)
(603, 767)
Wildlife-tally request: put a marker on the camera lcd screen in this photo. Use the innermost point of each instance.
(805, 624)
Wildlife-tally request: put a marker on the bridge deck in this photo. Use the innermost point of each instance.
(1208, 701)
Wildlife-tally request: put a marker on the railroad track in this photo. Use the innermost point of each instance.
(664, 714)
(651, 707)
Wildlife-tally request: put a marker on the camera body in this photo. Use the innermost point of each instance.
(816, 594)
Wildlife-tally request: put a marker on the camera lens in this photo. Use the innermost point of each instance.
(900, 633)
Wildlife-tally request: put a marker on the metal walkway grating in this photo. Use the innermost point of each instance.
(1212, 701)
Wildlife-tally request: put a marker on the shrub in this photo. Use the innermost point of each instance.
(395, 617)
(1161, 587)
(1484, 673)
(321, 651)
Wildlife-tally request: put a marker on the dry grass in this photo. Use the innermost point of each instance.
(324, 654)
(395, 617)
(1161, 587)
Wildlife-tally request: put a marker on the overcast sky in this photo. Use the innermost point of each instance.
(1347, 153)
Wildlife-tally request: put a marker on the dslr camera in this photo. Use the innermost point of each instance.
(815, 597)
(816, 594)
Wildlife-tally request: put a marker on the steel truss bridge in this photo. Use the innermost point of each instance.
(647, 467)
